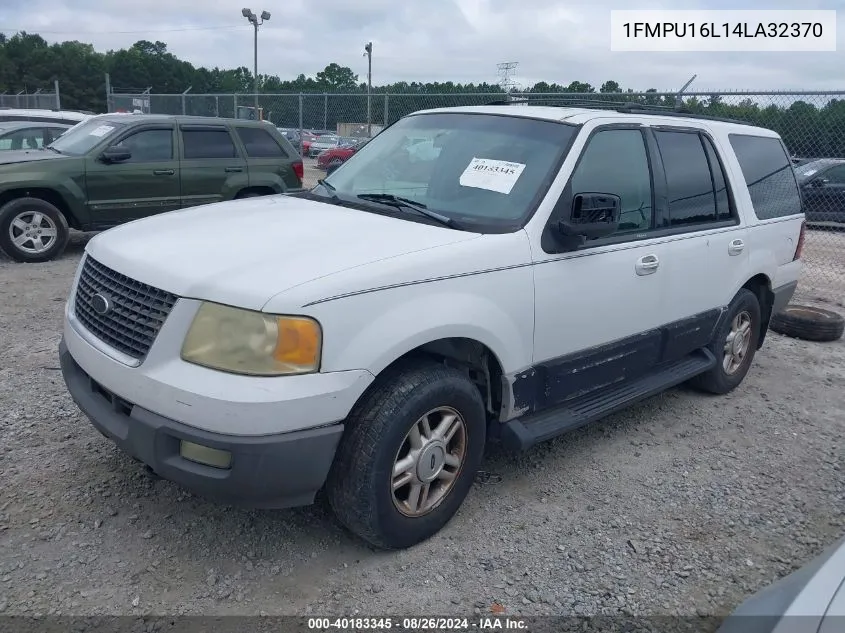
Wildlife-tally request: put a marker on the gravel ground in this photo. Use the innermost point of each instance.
(683, 505)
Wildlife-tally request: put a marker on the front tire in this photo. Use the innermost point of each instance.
(409, 455)
(733, 345)
(32, 230)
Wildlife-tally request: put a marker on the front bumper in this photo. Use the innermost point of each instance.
(268, 471)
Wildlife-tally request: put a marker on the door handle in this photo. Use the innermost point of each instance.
(736, 247)
(163, 172)
(647, 264)
(230, 170)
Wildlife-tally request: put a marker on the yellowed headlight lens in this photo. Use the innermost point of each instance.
(249, 342)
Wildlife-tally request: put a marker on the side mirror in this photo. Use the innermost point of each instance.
(115, 155)
(593, 215)
(332, 168)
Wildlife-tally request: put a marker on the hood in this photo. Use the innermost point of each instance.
(9, 157)
(244, 252)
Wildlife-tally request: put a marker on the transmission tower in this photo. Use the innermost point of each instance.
(507, 70)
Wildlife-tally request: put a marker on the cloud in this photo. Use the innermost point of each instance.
(429, 40)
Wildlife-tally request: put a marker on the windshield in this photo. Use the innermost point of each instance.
(327, 139)
(474, 168)
(79, 139)
(808, 170)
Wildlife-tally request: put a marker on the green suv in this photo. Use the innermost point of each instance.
(114, 168)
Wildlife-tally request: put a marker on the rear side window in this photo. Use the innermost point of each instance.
(768, 174)
(260, 143)
(691, 190)
(208, 143)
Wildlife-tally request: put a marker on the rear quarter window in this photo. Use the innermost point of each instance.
(260, 143)
(768, 175)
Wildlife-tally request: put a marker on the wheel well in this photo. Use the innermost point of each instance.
(476, 359)
(262, 191)
(761, 286)
(48, 195)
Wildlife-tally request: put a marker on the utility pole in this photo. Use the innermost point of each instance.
(368, 53)
(256, 21)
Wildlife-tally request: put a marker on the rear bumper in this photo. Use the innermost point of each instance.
(783, 295)
(267, 471)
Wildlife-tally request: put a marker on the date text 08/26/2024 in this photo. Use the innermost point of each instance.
(358, 623)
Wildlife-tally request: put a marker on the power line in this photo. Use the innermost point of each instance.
(187, 28)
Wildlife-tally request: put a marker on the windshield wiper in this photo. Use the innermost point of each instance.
(406, 203)
(50, 147)
(327, 185)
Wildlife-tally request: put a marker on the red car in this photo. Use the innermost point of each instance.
(338, 155)
(307, 139)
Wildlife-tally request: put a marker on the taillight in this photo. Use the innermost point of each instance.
(299, 170)
(800, 246)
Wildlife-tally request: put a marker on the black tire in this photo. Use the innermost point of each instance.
(359, 487)
(808, 323)
(250, 194)
(334, 161)
(718, 380)
(20, 208)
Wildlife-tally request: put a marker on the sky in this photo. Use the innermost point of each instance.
(431, 40)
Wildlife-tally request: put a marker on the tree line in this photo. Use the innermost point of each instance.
(28, 62)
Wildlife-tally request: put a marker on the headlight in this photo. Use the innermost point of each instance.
(254, 343)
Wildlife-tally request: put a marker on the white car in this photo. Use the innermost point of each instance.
(64, 117)
(547, 267)
(809, 600)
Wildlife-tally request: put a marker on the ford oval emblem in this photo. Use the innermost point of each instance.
(101, 304)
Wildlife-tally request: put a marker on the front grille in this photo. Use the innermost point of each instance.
(137, 310)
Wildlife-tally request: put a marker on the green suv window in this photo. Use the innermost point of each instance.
(260, 144)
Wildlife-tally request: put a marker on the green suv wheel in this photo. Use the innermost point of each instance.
(32, 230)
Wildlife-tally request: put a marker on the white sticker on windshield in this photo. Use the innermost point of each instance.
(493, 175)
(809, 172)
(101, 131)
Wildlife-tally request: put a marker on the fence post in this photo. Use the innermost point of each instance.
(386, 109)
(58, 98)
(184, 98)
(325, 110)
(216, 105)
(235, 106)
(108, 93)
(300, 124)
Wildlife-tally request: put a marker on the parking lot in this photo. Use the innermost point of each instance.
(682, 505)
(311, 173)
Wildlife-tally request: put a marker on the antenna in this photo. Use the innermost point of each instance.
(506, 73)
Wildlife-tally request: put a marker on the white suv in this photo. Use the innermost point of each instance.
(538, 269)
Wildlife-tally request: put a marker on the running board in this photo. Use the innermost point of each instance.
(523, 433)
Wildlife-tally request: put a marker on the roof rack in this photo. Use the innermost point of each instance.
(626, 107)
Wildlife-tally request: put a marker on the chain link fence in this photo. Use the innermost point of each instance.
(39, 100)
(812, 125)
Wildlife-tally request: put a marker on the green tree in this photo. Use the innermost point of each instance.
(337, 78)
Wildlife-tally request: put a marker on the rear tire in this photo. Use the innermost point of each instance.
(393, 487)
(733, 345)
(250, 194)
(32, 230)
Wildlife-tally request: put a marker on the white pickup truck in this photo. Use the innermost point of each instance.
(539, 268)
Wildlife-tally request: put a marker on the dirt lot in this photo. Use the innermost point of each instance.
(683, 505)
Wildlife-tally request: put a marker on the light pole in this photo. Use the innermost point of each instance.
(256, 21)
(368, 53)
